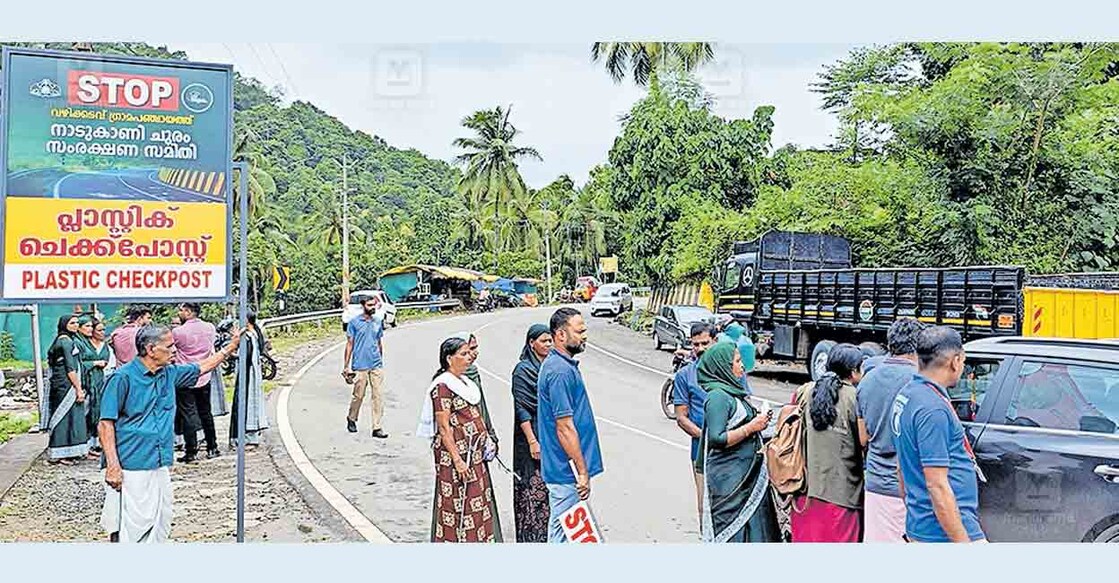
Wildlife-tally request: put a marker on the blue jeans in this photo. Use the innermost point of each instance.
(561, 497)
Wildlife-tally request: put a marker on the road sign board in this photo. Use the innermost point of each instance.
(281, 277)
(608, 264)
(115, 175)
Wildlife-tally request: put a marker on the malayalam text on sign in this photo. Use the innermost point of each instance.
(116, 175)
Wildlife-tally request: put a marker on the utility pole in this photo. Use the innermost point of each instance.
(345, 233)
(548, 261)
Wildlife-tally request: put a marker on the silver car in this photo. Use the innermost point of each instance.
(612, 299)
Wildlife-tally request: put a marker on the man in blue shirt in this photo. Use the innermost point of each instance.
(137, 434)
(939, 477)
(689, 398)
(568, 435)
(883, 507)
(363, 360)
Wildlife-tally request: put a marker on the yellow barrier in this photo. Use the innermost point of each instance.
(1071, 313)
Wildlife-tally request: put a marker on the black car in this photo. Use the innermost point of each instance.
(1042, 416)
(672, 326)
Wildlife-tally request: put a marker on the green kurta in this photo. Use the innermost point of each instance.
(93, 379)
(731, 474)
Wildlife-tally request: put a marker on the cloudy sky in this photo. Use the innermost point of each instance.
(415, 96)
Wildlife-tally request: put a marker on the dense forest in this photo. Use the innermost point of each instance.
(947, 154)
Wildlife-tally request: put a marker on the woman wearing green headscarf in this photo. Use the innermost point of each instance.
(737, 506)
(93, 355)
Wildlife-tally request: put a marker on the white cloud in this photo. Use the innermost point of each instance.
(565, 106)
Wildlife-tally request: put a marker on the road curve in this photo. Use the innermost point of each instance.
(645, 495)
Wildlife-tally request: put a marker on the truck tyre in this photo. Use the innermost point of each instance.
(818, 362)
(872, 349)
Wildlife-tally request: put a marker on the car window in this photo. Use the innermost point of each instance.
(731, 276)
(968, 395)
(1066, 396)
(695, 314)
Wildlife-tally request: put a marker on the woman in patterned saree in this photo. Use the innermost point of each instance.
(464, 509)
(68, 433)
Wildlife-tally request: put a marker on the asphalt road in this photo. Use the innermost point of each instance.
(125, 184)
(646, 494)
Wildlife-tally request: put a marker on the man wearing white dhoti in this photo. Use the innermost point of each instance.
(137, 433)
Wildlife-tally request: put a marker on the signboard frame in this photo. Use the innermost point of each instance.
(5, 115)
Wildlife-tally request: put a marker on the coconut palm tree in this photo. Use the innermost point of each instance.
(643, 60)
(491, 176)
(261, 185)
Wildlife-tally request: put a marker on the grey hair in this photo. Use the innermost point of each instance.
(148, 336)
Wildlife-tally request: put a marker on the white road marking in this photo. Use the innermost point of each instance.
(767, 402)
(58, 184)
(629, 362)
(604, 419)
(351, 514)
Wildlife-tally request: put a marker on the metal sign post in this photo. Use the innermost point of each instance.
(239, 383)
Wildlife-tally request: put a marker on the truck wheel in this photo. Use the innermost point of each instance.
(872, 349)
(818, 362)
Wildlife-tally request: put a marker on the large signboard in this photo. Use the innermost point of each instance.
(116, 178)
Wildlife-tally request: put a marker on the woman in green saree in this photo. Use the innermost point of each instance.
(68, 432)
(737, 505)
(93, 354)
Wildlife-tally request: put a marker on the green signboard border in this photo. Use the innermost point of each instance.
(5, 94)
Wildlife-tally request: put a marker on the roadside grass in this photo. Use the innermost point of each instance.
(16, 424)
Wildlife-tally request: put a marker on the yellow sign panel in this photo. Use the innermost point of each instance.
(281, 278)
(58, 247)
(608, 264)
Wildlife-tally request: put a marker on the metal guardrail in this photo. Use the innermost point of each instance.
(422, 305)
(337, 313)
(299, 318)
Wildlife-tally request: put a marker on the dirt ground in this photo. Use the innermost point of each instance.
(63, 503)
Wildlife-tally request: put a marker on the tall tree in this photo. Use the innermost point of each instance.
(643, 60)
(490, 159)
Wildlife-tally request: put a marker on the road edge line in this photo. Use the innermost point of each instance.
(344, 507)
(767, 402)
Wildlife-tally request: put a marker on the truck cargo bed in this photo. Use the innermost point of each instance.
(977, 301)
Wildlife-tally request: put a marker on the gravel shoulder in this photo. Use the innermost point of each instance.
(63, 504)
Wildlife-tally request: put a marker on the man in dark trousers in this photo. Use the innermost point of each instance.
(194, 342)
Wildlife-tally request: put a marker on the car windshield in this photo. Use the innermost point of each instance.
(358, 298)
(607, 291)
(693, 314)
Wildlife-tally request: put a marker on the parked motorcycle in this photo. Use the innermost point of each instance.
(679, 360)
(225, 334)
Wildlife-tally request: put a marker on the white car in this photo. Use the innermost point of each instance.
(386, 311)
(613, 299)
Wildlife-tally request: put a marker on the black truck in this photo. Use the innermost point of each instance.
(799, 296)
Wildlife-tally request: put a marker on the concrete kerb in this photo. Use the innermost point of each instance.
(17, 456)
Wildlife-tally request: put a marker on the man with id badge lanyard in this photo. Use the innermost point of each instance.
(938, 475)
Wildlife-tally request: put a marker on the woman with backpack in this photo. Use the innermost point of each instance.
(830, 510)
(737, 505)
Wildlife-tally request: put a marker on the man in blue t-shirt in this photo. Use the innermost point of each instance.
(883, 507)
(688, 398)
(568, 435)
(363, 360)
(939, 477)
